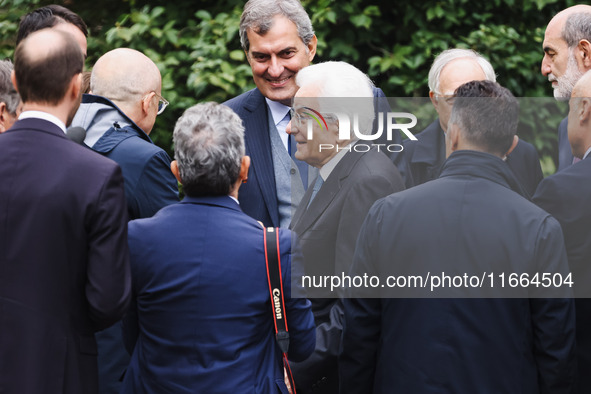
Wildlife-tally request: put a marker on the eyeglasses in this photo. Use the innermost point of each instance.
(162, 103)
(448, 98)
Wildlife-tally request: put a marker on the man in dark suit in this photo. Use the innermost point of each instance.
(201, 320)
(351, 178)
(567, 56)
(118, 118)
(64, 260)
(278, 39)
(566, 196)
(473, 221)
(423, 159)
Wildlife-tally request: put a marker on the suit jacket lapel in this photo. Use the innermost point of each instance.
(258, 146)
(305, 218)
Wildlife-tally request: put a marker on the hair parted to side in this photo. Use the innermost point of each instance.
(45, 79)
(445, 57)
(487, 115)
(8, 94)
(208, 146)
(351, 90)
(46, 17)
(258, 17)
(576, 28)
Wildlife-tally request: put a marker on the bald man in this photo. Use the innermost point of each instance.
(567, 56)
(64, 260)
(423, 159)
(566, 196)
(118, 117)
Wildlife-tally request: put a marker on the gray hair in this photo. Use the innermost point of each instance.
(445, 57)
(350, 89)
(258, 17)
(8, 93)
(208, 146)
(487, 115)
(577, 27)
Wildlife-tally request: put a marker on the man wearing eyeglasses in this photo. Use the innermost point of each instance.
(423, 159)
(118, 117)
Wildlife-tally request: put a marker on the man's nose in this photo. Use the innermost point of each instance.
(546, 69)
(276, 67)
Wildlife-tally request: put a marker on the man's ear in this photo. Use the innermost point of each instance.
(312, 48)
(453, 137)
(433, 100)
(174, 167)
(513, 145)
(13, 79)
(146, 102)
(584, 48)
(584, 110)
(3, 117)
(75, 86)
(244, 166)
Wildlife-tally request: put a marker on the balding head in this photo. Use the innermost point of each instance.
(126, 76)
(567, 48)
(45, 64)
(579, 116)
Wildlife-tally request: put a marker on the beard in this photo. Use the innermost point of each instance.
(567, 82)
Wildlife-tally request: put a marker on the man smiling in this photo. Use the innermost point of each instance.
(278, 39)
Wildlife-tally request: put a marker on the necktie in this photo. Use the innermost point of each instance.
(317, 186)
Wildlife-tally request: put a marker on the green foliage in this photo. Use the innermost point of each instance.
(196, 46)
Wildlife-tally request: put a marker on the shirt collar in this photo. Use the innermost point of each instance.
(45, 116)
(332, 163)
(278, 110)
(587, 153)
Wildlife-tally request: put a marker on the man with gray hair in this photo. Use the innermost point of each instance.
(422, 159)
(200, 320)
(118, 117)
(567, 56)
(352, 176)
(10, 101)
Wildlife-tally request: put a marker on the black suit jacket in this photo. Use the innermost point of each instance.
(64, 264)
(327, 231)
(468, 221)
(567, 196)
(423, 159)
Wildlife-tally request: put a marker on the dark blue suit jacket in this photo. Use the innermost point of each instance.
(422, 159)
(258, 197)
(201, 319)
(467, 221)
(567, 196)
(64, 265)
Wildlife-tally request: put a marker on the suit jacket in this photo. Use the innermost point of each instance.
(63, 259)
(423, 159)
(566, 196)
(201, 320)
(467, 221)
(327, 230)
(149, 182)
(565, 154)
(258, 197)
